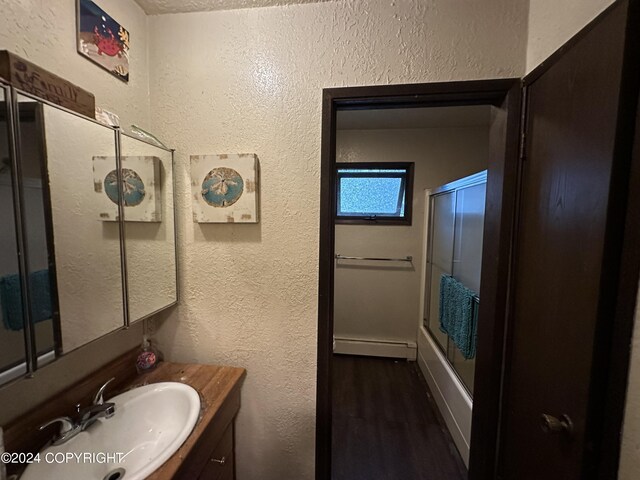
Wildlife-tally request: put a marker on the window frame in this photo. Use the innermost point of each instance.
(405, 220)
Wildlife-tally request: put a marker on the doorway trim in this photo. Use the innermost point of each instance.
(503, 167)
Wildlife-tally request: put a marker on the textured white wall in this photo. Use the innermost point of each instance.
(251, 81)
(43, 32)
(383, 303)
(553, 22)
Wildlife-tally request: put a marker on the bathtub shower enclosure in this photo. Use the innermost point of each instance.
(453, 246)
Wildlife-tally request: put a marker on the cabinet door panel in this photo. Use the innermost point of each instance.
(149, 227)
(220, 464)
(79, 165)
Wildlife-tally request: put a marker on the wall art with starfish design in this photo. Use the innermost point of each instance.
(224, 188)
(141, 187)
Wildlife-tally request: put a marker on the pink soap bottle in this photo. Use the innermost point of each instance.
(149, 356)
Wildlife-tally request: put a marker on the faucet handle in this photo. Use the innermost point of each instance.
(66, 425)
(68, 429)
(99, 398)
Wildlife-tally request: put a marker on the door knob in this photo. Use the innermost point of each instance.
(554, 425)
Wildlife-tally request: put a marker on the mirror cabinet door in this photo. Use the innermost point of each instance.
(60, 208)
(12, 339)
(43, 311)
(149, 227)
(75, 161)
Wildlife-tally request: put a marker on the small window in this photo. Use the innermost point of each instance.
(374, 193)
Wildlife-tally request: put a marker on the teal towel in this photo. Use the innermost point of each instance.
(459, 314)
(11, 299)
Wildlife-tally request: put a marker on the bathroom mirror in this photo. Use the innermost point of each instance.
(149, 227)
(38, 265)
(12, 342)
(65, 155)
(89, 232)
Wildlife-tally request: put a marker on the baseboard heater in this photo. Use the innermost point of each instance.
(375, 348)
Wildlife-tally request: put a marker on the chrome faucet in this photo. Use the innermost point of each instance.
(87, 416)
(68, 430)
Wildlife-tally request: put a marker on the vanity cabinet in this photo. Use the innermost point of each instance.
(221, 461)
(213, 457)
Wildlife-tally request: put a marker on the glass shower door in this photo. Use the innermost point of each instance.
(443, 215)
(467, 261)
(456, 228)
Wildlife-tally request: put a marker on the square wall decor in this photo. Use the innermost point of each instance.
(225, 188)
(141, 187)
(102, 40)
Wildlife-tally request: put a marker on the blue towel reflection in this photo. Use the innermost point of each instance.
(11, 299)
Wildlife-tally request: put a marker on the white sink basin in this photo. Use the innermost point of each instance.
(150, 424)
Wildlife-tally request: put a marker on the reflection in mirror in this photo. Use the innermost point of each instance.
(34, 218)
(42, 299)
(149, 227)
(12, 343)
(85, 246)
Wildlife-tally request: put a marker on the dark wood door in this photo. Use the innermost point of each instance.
(564, 272)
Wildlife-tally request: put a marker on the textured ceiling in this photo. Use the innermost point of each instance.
(156, 7)
(426, 117)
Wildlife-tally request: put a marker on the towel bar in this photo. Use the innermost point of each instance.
(408, 258)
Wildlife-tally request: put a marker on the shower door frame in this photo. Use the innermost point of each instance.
(505, 95)
(473, 180)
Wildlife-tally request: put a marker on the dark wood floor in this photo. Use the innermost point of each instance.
(386, 425)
